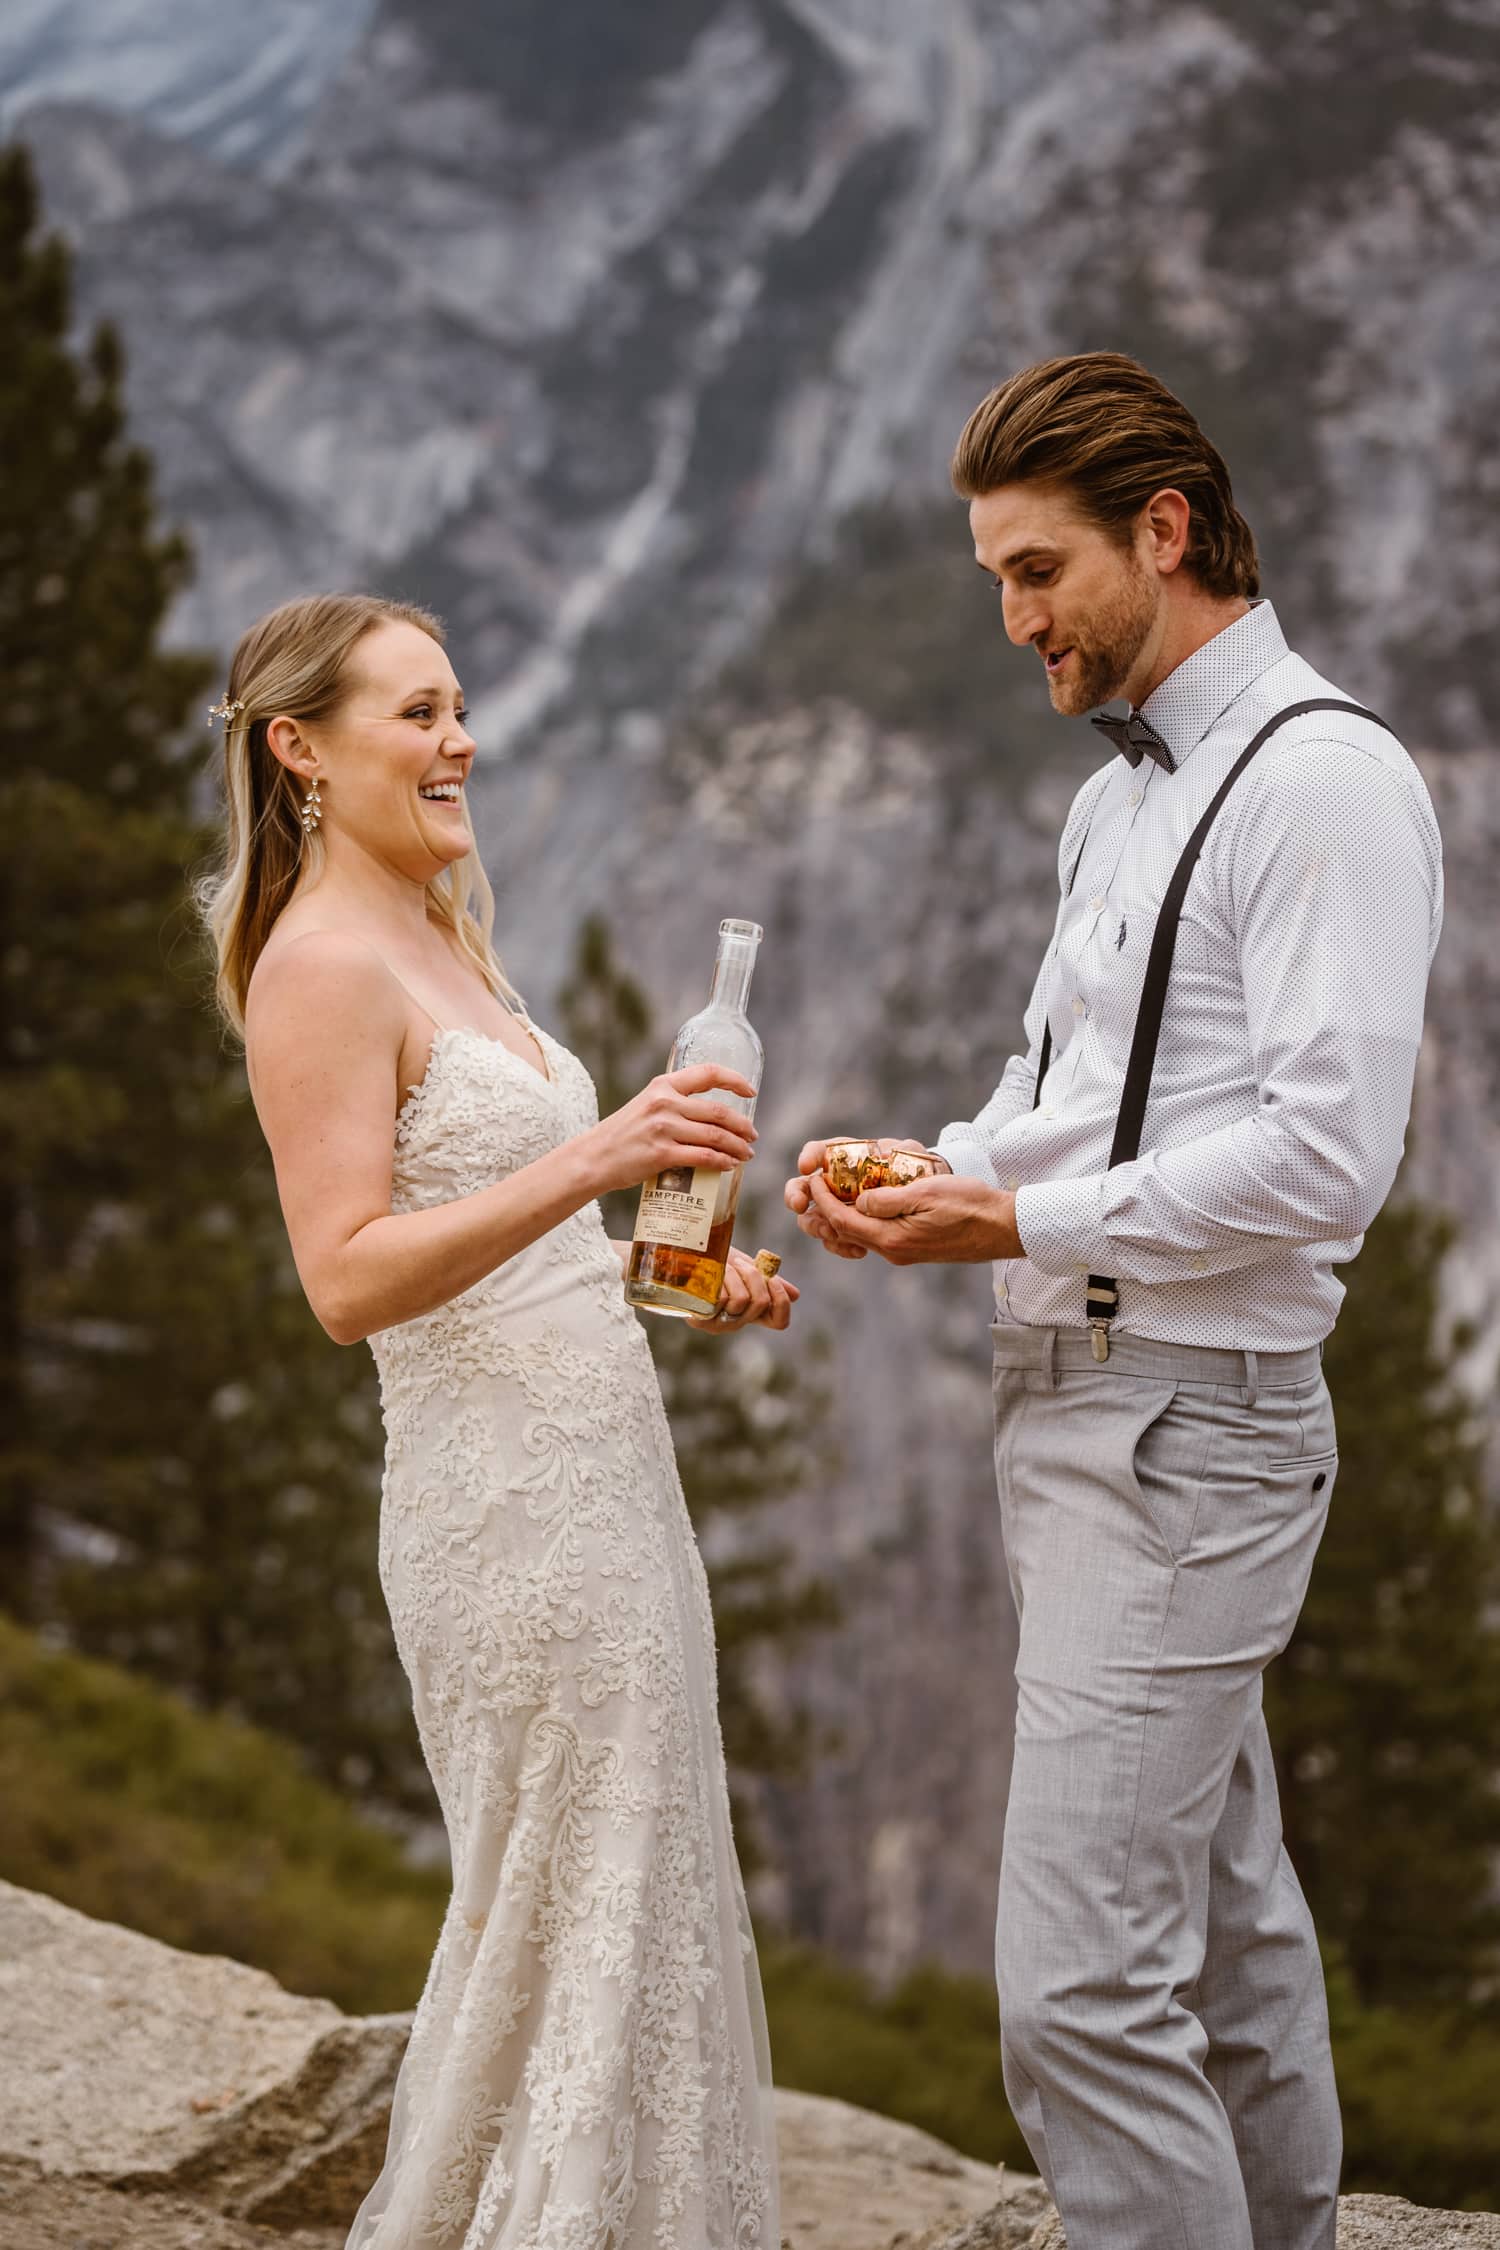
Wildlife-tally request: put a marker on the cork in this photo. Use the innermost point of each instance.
(769, 1263)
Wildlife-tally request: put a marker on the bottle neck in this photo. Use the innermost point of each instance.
(733, 969)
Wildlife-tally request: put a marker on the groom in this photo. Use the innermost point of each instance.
(1208, 1112)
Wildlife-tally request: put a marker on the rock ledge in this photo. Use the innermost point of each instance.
(156, 2100)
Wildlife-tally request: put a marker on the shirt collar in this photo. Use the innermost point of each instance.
(1189, 700)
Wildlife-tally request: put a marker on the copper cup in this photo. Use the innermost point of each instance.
(850, 1166)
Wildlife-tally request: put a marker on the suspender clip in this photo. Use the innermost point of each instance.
(1100, 1305)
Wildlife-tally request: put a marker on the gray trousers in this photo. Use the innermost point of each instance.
(1163, 2019)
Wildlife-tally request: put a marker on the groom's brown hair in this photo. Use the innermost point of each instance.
(1105, 427)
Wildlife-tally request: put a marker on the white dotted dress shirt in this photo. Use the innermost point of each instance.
(1283, 1077)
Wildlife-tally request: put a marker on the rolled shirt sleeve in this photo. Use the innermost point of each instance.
(1336, 893)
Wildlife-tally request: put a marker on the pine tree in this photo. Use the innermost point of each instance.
(1385, 1710)
(607, 1019)
(745, 1419)
(93, 828)
(187, 1466)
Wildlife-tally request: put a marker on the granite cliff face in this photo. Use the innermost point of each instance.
(636, 341)
(594, 321)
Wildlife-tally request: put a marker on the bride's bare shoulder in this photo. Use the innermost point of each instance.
(321, 980)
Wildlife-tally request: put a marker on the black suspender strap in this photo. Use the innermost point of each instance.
(1103, 1296)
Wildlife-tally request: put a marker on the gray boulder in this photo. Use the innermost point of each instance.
(131, 2066)
(157, 2100)
(1366, 2222)
(854, 2181)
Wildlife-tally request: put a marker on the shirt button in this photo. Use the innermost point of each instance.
(1078, 1006)
(1096, 906)
(1133, 799)
(1012, 1183)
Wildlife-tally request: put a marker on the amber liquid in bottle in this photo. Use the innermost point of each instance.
(663, 1270)
(686, 1219)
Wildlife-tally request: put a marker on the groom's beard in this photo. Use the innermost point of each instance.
(1105, 652)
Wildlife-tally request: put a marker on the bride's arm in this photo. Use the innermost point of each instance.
(323, 1040)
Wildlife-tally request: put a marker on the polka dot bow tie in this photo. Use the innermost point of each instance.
(1135, 738)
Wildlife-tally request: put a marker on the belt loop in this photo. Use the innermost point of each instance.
(1252, 1378)
(1045, 1375)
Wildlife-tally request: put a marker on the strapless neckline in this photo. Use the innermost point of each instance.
(442, 1037)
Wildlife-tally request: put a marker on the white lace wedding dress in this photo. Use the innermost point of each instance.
(588, 2069)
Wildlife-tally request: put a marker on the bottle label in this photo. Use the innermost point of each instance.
(678, 1207)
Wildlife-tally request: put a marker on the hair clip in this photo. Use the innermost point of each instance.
(226, 710)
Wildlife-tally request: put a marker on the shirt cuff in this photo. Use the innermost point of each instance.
(1061, 1225)
(966, 1157)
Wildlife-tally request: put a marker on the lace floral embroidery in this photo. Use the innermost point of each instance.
(583, 2072)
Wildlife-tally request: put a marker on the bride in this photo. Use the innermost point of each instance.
(588, 2067)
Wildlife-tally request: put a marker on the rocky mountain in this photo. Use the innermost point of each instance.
(636, 341)
(239, 85)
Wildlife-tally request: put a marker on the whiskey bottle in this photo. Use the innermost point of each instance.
(686, 1218)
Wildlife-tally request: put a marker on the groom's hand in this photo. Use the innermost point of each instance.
(943, 1221)
(798, 1194)
(948, 1220)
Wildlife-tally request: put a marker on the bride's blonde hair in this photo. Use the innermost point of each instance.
(292, 664)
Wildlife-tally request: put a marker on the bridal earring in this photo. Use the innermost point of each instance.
(312, 807)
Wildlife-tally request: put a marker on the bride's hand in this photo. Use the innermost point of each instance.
(749, 1297)
(675, 1121)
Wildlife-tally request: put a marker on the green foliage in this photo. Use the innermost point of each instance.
(124, 1803)
(746, 1432)
(606, 1019)
(1385, 1710)
(209, 1518)
(1417, 2090)
(928, 2052)
(745, 1417)
(215, 1523)
(84, 847)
